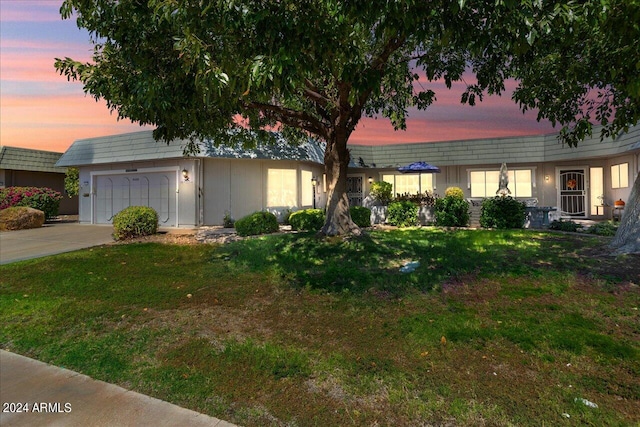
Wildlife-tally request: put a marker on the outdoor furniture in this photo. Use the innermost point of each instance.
(545, 213)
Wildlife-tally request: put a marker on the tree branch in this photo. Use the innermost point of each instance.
(290, 117)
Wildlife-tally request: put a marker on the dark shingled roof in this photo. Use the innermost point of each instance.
(25, 159)
(140, 146)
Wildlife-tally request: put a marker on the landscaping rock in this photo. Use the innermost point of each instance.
(20, 218)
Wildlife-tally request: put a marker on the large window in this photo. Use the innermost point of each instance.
(409, 183)
(282, 188)
(486, 183)
(620, 175)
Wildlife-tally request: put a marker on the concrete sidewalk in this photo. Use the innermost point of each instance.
(51, 239)
(66, 398)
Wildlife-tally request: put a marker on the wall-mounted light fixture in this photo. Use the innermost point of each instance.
(185, 175)
(370, 180)
(314, 184)
(547, 178)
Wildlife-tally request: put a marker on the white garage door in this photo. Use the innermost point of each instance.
(116, 192)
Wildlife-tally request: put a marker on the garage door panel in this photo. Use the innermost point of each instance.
(116, 192)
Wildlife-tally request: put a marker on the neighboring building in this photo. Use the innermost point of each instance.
(129, 169)
(22, 167)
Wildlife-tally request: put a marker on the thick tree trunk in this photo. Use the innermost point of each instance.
(336, 163)
(627, 239)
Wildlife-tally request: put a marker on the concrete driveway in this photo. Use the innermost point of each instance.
(51, 239)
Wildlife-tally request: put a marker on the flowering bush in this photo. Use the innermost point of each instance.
(420, 199)
(44, 199)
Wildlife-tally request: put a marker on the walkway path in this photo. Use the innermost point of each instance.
(60, 397)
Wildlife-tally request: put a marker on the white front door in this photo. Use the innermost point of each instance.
(572, 192)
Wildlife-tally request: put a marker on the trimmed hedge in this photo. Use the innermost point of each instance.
(455, 192)
(135, 221)
(257, 223)
(307, 220)
(502, 212)
(43, 199)
(402, 214)
(452, 211)
(361, 216)
(561, 225)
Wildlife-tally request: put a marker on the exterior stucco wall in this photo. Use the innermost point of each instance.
(239, 187)
(545, 175)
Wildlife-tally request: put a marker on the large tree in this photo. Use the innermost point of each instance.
(199, 68)
(584, 69)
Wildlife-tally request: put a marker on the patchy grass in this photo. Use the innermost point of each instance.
(493, 328)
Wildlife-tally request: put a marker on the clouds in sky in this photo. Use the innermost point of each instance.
(41, 109)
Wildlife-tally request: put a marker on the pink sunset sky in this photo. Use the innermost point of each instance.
(40, 109)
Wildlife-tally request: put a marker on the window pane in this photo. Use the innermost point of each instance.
(407, 184)
(615, 176)
(282, 188)
(307, 188)
(624, 175)
(492, 183)
(596, 178)
(522, 183)
(426, 182)
(478, 188)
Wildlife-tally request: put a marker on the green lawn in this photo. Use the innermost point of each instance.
(494, 328)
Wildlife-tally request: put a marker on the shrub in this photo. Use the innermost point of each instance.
(381, 192)
(307, 220)
(603, 229)
(454, 192)
(227, 221)
(452, 211)
(361, 216)
(42, 199)
(402, 214)
(502, 212)
(424, 199)
(561, 225)
(257, 223)
(135, 221)
(20, 218)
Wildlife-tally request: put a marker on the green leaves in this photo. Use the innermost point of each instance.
(191, 68)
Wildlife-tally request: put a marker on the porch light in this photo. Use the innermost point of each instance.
(185, 174)
(314, 183)
(547, 178)
(370, 180)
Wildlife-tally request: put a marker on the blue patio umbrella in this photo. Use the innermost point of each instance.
(419, 167)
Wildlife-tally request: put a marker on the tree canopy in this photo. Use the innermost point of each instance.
(196, 68)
